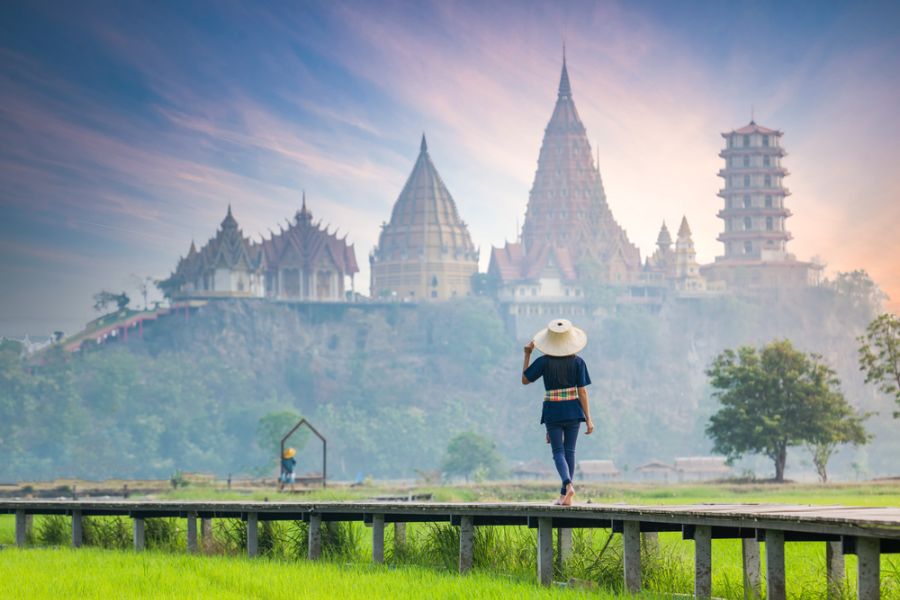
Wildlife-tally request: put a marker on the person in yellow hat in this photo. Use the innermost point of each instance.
(288, 462)
(566, 406)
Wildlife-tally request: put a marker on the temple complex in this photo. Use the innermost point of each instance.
(306, 262)
(303, 262)
(424, 252)
(755, 235)
(228, 265)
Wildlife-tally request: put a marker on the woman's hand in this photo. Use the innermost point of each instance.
(590, 427)
(529, 347)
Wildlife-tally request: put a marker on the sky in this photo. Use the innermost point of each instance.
(129, 127)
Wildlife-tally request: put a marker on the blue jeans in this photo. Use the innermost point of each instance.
(563, 436)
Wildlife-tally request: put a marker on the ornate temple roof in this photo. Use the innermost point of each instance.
(510, 263)
(752, 127)
(684, 230)
(424, 219)
(664, 239)
(304, 243)
(567, 205)
(228, 249)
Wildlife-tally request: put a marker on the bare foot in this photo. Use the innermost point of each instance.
(559, 501)
(570, 493)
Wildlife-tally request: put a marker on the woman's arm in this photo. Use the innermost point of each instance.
(585, 406)
(528, 349)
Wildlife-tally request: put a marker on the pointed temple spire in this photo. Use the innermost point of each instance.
(565, 88)
(423, 147)
(684, 231)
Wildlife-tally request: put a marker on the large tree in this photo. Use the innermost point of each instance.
(775, 398)
(470, 454)
(879, 355)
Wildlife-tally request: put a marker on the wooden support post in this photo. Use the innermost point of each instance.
(466, 543)
(702, 561)
(545, 550)
(206, 534)
(399, 537)
(631, 543)
(77, 528)
(252, 534)
(868, 578)
(775, 582)
(315, 536)
(192, 532)
(21, 527)
(378, 538)
(563, 546)
(834, 564)
(139, 540)
(650, 541)
(750, 556)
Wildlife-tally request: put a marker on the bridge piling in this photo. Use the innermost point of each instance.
(751, 568)
(703, 561)
(138, 533)
(631, 550)
(775, 581)
(545, 550)
(834, 565)
(466, 543)
(378, 538)
(868, 578)
(314, 550)
(77, 528)
(192, 533)
(399, 537)
(21, 528)
(252, 534)
(563, 546)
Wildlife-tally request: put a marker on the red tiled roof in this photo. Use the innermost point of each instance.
(510, 263)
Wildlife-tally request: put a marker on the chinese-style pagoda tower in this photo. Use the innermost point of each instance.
(424, 252)
(755, 235)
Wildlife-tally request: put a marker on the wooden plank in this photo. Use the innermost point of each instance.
(378, 539)
(545, 551)
(466, 544)
(868, 578)
(775, 581)
(751, 568)
(631, 549)
(703, 561)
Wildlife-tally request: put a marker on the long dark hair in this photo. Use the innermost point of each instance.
(562, 369)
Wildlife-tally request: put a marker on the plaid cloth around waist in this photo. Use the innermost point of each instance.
(570, 393)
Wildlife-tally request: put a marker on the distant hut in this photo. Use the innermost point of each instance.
(699, 468)
(596, 469)
(532, 469)
(655, 471)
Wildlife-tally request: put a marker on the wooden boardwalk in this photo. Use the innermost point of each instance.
(865, 531)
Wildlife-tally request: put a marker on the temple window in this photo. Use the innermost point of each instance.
(765, 140)
(748, 247)
(768, 201)
(746, 141)
(748, 223)
(746, 200)
(768, 180)
(770, 225)
(746, 161)
(767, 161)
(746, 181)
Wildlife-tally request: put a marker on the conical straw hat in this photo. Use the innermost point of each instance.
(290, 452)
(560, 338)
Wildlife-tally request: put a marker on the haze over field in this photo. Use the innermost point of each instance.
(128, 129)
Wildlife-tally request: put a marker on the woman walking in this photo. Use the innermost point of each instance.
(565, 398)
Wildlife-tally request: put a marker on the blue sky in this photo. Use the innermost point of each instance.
(129, 127)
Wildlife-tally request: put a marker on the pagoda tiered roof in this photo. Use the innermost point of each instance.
(228, 249)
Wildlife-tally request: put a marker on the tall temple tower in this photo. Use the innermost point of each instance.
(569, 235)
(755, 235)
(424, 252)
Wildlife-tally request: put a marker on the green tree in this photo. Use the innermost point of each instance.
(469, 453)
(776, 398)
(274, 426)
(879, 355)
(104, 299)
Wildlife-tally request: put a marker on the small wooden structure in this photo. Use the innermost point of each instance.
(655, 470)
(867, 532)
(588, 470)
(699, 468)
(533, 469)
(314, 478)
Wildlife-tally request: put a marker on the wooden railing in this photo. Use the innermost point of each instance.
(866, 532)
